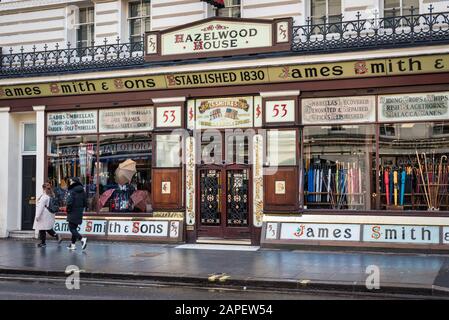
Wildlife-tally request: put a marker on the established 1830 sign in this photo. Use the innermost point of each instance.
(218, 37)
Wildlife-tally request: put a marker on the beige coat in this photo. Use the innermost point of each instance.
(44, 219)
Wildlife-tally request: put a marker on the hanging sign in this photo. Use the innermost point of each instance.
(126, 119)
(219, 36)
(338, 110)
(409, 107)
(280, 111)
(224, 113)
(74, 122)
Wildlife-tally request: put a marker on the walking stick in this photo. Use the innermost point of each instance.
(422, 178)
(431, 206)
(440, 172)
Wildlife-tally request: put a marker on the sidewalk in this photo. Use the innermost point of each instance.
(253, 267)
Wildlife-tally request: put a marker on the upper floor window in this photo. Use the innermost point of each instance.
(85, 28)
(139, 17)
(328, 9)
(231, 9)
(394, 8)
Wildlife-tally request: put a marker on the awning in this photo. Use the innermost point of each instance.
(217, 3)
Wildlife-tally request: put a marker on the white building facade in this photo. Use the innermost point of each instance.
(71, 48)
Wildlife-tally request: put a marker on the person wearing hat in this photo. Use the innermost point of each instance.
(76, 202)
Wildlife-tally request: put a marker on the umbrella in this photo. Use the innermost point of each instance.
(105, 197)
(125, 172)
(139, 198)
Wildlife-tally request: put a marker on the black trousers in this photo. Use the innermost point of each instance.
(73, 227)
(43, 234)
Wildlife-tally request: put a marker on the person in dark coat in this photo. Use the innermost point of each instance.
(76, 202)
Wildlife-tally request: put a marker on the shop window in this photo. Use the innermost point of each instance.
(237, 149)
(325, 11)
(124, 170)
(86, 28)
(29, 137)
(211, 148)
(409, 181)
(168, 151)
(336, 164)
(281, 148)
(231, 9)
(73, 156)
(139, 19)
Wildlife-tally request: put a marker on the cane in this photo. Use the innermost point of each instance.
(422, 178)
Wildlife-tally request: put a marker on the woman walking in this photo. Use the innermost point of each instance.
(45, 220)
(76, 202)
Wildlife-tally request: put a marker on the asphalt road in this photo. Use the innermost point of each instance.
(43, 289)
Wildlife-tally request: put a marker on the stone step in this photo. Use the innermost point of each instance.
(22, 234)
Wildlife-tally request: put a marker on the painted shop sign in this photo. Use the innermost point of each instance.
(425, 106)
(308, 231)
(157, 228)
(218, 35)
(252, 76)
(339, 110)
(280, 111)
(372, 233)
(224, 113)
(167, 117)
(88, 227)
(401, 234)
(138, 228)
(74, 122)
(446, 235)
(126, 119)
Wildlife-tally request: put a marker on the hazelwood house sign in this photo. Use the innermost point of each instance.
(218, 37)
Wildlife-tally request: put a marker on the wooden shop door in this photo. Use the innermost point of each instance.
(28, 191)
(224, 201)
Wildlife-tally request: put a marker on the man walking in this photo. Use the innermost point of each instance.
(76, 202)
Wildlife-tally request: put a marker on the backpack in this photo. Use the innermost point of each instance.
(53, 205)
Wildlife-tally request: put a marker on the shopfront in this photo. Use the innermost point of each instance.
(374, 172)
(111, 151)
(347, 152)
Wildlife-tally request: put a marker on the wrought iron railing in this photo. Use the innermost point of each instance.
(386, 32)
(107, 55)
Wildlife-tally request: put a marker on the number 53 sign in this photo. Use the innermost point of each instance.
(168, 116)
(280, 111)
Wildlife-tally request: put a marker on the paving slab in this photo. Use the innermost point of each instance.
(290, 269)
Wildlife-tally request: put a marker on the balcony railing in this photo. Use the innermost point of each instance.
(107, 55)
(388, 32)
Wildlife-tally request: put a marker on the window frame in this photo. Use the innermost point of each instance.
(90, 28)
(229, 9)
(141, 18)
